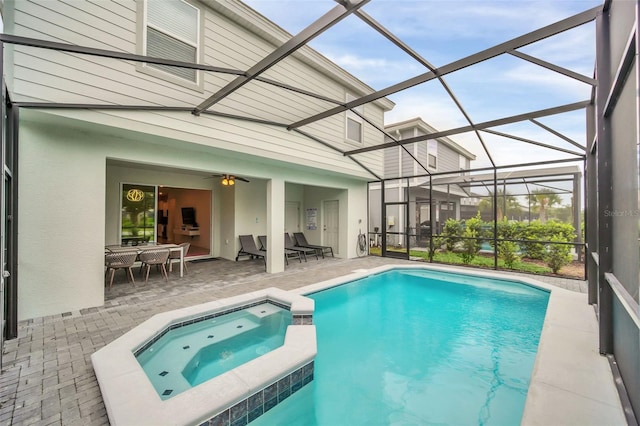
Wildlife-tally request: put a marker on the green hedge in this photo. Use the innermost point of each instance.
(553, 231)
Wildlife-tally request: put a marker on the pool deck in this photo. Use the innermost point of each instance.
(47, 377)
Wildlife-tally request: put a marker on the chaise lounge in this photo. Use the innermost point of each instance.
(301, 241)
(248, 248)
(287, 252)
(289, 244)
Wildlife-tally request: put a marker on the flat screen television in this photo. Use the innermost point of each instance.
(189, 216)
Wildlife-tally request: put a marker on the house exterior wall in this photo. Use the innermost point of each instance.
(391, 162)
(448, 159)
(69, 204)
(398, 163)
(69, 186)
(52, 76)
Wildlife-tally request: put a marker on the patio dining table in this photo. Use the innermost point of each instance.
(142, 248)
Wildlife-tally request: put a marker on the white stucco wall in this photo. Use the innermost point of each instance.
(67, 206)
(60, 222)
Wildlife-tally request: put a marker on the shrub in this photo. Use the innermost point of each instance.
(534, 231)
(451, 233)
(437, 245)
(470, 246)
(544, 232)
(507, 250)
(508, 230)
(558, 255)
(474, 224)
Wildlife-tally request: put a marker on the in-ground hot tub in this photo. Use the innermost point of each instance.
(186, 355)
(247, 390)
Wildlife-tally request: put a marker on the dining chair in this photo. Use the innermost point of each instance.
(156, 257)
(120, 260)
(173, 255)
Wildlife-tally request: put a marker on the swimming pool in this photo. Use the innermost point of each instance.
(193, 353)
(414, 346)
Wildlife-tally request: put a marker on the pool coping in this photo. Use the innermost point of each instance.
(571, 383)
(130, 398)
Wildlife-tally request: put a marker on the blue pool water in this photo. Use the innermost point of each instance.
(413, 347)
(192, 354)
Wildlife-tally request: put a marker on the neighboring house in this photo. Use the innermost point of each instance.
(77, 164)
(436, 156)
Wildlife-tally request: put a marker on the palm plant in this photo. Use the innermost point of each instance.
(505, 203)
(542, 199)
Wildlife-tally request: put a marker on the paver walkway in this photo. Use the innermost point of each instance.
(47, 377)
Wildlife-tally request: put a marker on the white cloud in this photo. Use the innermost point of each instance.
(542, 79)
(375, 71)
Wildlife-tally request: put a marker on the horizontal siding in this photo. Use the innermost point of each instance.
(447, 159)
(391, 162)
(422, 152)
(51, 76)
(110, 28)
(407, 160)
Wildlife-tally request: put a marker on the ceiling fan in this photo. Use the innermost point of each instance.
(228, 179)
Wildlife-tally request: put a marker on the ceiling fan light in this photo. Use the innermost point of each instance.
(232, 181)
(225, 181)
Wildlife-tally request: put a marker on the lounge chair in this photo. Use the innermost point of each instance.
(301, 241)
(287, 252)
(288, 243)
(248, 248)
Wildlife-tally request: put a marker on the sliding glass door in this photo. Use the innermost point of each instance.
(138, 219)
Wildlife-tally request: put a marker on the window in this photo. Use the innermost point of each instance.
(137, 214)
(354, 130)
(172, 31)
(354, 122)
(432, 153)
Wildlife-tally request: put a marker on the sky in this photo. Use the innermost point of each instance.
(445, 31)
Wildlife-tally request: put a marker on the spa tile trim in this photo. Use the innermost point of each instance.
(302, 320)
(262, 401)
(155, 338)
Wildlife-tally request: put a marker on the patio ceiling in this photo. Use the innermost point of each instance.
(328, 107)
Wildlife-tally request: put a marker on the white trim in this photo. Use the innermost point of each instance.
(141, 47)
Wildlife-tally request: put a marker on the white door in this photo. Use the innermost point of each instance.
(291, 217)
(330, 230)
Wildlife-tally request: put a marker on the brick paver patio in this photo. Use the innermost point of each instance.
(47, 377)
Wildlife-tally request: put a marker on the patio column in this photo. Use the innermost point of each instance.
(275, 225)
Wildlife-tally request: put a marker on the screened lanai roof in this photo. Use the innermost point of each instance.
(515, 176)
(554, 180)
(489, 135)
